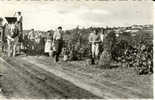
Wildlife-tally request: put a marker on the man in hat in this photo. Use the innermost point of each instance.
(20, 22)
(58, 41)
(20, 29)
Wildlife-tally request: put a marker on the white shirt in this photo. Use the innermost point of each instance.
(94, 38)
(57, 35)
(19, 18)
(31, 35)
(102, 36)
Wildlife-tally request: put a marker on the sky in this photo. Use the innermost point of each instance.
(69, 14)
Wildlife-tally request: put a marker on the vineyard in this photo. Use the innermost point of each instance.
(128, 49)
(124, 69)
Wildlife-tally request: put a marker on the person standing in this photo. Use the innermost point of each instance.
(31, 37)
(25, 42)
(58, 41)
(48, 44)
(20, 22)
(94, 40)
(2, 35)
(20, 29)
(102, 37)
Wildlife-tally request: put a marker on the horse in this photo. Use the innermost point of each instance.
(12, 35)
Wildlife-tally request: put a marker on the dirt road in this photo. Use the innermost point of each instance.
(33, 77)
(30, 81)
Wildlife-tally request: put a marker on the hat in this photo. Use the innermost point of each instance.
(11, 19)
(19, 12)
(59, 27)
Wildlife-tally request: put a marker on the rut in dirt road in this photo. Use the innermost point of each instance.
(45, 83)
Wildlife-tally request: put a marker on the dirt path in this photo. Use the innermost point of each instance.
(29, 81)
(35, 77)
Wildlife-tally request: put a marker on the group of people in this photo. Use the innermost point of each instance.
(12, 34)
(32, 42)
(14, 41)
(50, 44)
(54, 44)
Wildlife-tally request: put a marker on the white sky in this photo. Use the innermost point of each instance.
(69, 14)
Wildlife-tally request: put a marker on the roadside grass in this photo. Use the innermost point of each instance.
(124, 76)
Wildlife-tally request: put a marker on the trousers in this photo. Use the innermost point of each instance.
(58, 47)
(95, 50)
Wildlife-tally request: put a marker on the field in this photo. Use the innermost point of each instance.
(39, 77)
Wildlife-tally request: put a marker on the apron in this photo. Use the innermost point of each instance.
(48, 46)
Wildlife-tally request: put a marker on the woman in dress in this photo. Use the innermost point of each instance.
(48, 44)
